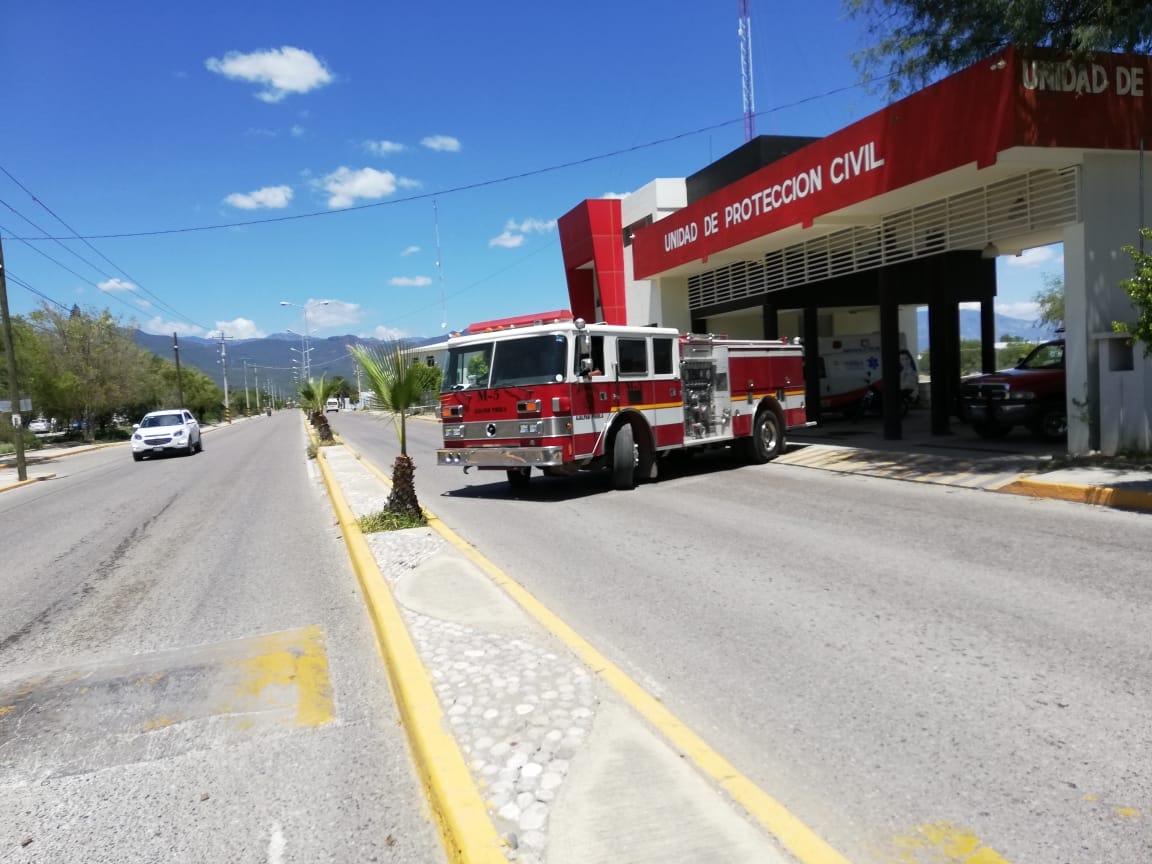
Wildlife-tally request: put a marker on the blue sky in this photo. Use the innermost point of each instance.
(393, 121)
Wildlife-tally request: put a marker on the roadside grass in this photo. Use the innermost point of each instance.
(385, 521)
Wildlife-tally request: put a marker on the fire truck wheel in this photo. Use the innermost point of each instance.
(767, 437)
(624, 459)
(518, 478)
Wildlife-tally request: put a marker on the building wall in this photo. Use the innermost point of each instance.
(1094, 265)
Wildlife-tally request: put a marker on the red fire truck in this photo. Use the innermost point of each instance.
(554, 393)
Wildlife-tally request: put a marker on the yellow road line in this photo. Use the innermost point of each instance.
(466, 830)
(793, 834)
(1102, 495)
(947, 844)
(296, 658)
(20, 483)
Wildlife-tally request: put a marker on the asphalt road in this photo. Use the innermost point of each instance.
(187, 672)
(920, 673)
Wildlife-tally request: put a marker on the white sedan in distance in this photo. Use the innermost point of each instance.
(171, 431)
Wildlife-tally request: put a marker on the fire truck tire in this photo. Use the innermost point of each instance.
(767, 436)
(518, 478)
(624, 459)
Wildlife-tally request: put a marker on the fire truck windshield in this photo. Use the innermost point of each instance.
(507, 363)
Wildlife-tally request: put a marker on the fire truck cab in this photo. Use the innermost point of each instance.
(567, 396)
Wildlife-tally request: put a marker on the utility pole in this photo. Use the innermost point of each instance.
(179, 384)
(10, 350)
(224, 366)
(247, 406)
(256, 369)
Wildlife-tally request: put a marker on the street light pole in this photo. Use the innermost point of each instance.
(305, 337)
(307, 346)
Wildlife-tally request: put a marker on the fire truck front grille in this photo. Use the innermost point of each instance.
(502, 457)
(504, 430)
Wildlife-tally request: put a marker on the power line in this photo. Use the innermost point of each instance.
(12, 277)
(69, 269)
(165, 306)
(468, 187)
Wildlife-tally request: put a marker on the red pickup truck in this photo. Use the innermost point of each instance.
(1033, 394)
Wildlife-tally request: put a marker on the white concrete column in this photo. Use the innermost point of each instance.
(1094, 265)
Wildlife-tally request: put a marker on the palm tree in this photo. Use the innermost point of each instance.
(394, 379)
(313, 394)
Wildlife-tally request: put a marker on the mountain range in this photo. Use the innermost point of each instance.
(271, 360)
(1030, 331)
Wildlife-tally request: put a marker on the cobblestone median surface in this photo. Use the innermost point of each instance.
(520, 707)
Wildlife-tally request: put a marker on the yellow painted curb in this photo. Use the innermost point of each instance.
(467, 831)
(1104, 496)
(777, 820)
(30, 480)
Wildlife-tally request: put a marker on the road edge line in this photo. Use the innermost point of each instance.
(788, 829)
(27, 482)
(1104, 496)
(466, 829)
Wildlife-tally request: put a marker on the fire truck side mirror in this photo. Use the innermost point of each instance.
(584, 351)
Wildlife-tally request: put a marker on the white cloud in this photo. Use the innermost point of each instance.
(297, 131)
(112, 286)
(160, 326)
(411, 250)
(615, 194)
(508, 240)
(333, 313)
(345, 186)
(409, 281)
(383, 332)
(1024, 310)
(282, 71)
(514, 232)
(443, 143)
(383, 148)
(531, 226)
(407, 183)
(240, 328)
(1033, 258)
(272, 197)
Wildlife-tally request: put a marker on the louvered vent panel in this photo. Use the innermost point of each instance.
(1012, 207)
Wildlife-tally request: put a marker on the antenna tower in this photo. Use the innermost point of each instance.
(440, 268)
(745, 12)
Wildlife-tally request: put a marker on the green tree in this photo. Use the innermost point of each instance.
(970, 356)
(86, 366)
(396, 381)
(428, 379)
(913, 42)
(1050, 301)
(1139, 288)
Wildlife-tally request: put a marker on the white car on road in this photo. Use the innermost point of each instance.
(171, 431)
